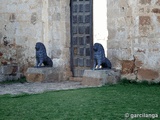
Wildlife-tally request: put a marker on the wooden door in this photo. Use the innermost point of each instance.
(81, 36)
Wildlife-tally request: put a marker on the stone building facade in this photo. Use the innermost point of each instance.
(133, 35)
(25, 22)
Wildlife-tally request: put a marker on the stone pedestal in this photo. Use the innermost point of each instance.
(100, 77)
(49, 74)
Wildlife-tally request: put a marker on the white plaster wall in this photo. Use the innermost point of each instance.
(100, 32)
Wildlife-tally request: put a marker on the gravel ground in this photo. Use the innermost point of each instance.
(33, 88)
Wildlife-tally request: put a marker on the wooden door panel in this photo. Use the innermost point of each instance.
(81, 36)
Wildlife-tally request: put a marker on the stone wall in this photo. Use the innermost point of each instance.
(59, 36)
(20, 28)
(25, 22)
(133, 40)
(134, 37)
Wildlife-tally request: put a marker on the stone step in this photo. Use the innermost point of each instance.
(100, 77)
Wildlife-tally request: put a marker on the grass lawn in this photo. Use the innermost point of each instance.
(103, 103)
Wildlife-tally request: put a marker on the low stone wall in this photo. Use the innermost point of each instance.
(132, 70)
(9, 72)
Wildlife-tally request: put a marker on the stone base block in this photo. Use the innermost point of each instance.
(49, 74)
(100, 77)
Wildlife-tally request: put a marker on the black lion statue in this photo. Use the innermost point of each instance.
(41, 56)
(99, 57)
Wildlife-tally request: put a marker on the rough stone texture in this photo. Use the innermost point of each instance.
(146, 74)
(18, 34)
(127, 67)
(35, 77)
(89, 81)
(133, 33)
(9, 72)
(44, 75)
(77, 79)
(144, 2)
(25, 22)
(131, 76)
(133, 28)
(100, 77)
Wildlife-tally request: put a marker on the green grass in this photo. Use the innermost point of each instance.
(103, 103)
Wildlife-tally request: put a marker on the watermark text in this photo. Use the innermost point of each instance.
(142, 115)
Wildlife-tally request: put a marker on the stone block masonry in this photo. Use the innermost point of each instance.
(134, 35)
(9, 72)
(25, 22)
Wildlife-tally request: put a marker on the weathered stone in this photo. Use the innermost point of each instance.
(34, 18)
(1, 35)
(129, 76)
(78, 79)
(12, 17)
(145, 2)
(13, 77)
(156, 10)
(145, 31)
(2, 78)
(138, 63)
(4, 62)
(1, 54)
(158, 2)
(10, 72)
(112, 33)
(123, 3)
(139, 60)
(23, 23)
(36, 77)
(66, 74)
(144, 20)
(147, 74)
(92, 81)
(9, 69)
(128, 67)
(141, 30)
(100, 77)
(43, 75)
